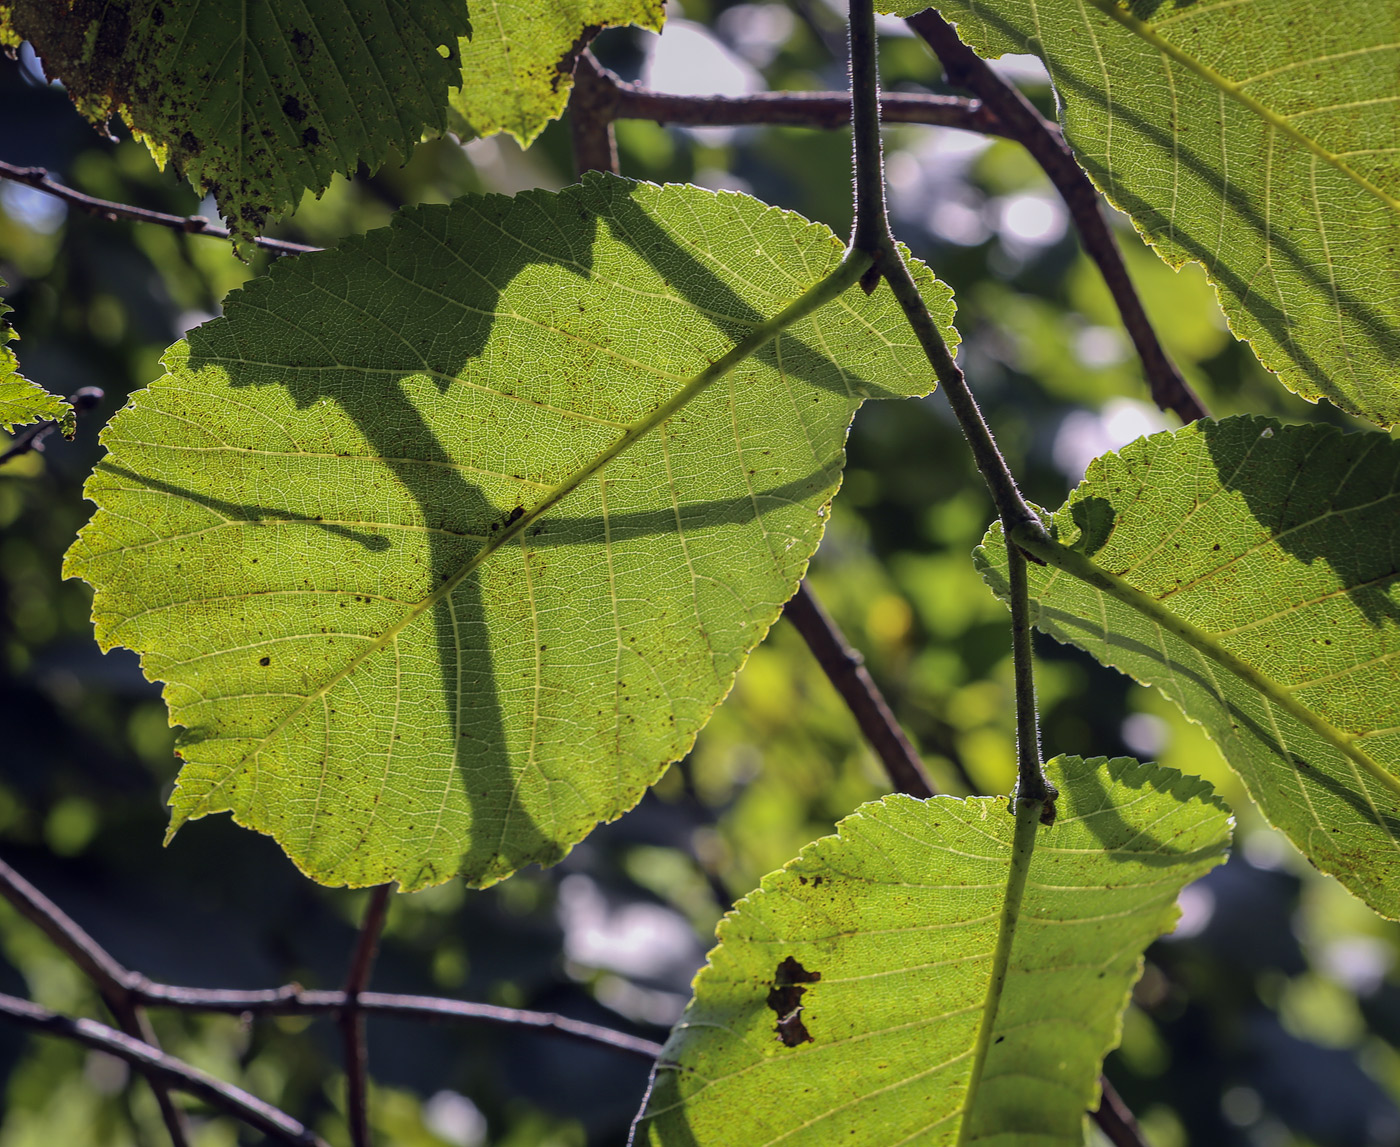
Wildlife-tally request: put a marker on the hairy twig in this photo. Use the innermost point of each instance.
(351, 1017)
(39, 178)
(112, 980)
(174, 1073)
(1018, 119)
(872, 234)
(32, 438)
(846, 671)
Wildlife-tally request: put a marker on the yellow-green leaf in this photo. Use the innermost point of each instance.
(414, 620)
(1251, 572)
(1259, 138)
(518, 65)
(938, 972)
(22, 401)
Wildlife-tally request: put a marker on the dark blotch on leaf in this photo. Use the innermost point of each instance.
(310, 137)
(264, 660)
(785, 998)
(292, 109)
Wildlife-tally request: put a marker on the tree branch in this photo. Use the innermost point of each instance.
(293, 1000)
(846, 671)
(592, 109)
(617, 99)
(39, 178)
(1018, 119)
(32, 438)
(172, 1072)
(112, 980)
(351, 1018)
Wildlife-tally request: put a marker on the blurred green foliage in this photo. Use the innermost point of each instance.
(1271, 1019)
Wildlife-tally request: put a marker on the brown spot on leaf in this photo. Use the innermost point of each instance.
(292, 109)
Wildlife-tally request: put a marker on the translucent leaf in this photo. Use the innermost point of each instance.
(255, 102)
(22, 401)
(938, 972)
(1249, 571)
(334, 528)
(1259, 138)
(518, 66)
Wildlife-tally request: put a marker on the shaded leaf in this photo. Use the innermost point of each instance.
(518, 66)
(1249, 571)
(851, 999)
(1258, 138)
(255, 102)
(332, 527)
(22, 401)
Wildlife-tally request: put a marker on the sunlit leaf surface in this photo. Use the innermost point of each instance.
(849, 998)
(518, 66)
(22, 401)
(321, 527)
(1260, 563)
(1259, 138)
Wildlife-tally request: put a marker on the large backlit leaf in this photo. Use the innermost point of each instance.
(518, 66)
(1249, 571)
(321, 527)
(255, 101)
(22, 401)
(1259, 138)
(850, 999)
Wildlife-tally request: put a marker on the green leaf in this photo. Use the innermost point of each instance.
(518, 65)
(363, 528)
(1258, 138)
(939, 971)
(22, 401)
(1249, 571)
(255, 102)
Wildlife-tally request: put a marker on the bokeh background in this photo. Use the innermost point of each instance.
(1270, 1019)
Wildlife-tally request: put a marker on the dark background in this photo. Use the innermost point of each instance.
(1272, 1019)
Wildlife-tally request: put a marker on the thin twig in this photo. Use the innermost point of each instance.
(1115, 1119)
(352, 1020)
(249, 1109)
(1018, 119)
(39, 178)
(845, 669)
(32, 438)
(613, 98)
(293, 1000)
(112, 980)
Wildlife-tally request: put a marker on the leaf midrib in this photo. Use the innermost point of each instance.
(1077, 565)
(1234, 90)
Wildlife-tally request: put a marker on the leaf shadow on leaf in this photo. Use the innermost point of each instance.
(681, 270)
(1382, 332)
(1122, 842)
(403, 329)
(246, 512)
(1335, 501)
(1064, 626)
